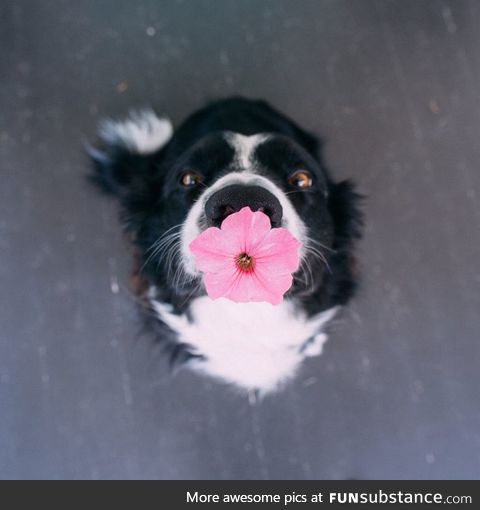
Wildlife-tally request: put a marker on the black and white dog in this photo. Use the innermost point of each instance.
(242, 153)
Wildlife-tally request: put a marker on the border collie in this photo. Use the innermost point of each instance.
(163, 180)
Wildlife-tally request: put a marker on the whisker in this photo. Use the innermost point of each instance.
(311, 240)
(160, 244)
(163, 235)
(195, 288)
(163, 245)
(312, 253)
(299, 191)
(320, 255)
(308, 277)
(171, 252)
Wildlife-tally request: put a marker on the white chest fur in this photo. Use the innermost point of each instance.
(252, 345)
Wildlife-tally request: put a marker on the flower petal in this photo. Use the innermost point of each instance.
(249, 287)
(274, 285)
(213, 250)
(275, 252)
(250, 227)
(278, 253)
(222, 283)
(246, 289)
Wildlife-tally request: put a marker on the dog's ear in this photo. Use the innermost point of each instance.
(125, 150)
(310, 142)
(344, 206)
(286, 125)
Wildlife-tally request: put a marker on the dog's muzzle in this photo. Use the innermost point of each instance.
(231, 199)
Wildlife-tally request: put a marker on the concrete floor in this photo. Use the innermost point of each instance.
(393, 87)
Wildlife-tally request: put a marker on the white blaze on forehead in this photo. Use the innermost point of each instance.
(141, 132)
(245, 150)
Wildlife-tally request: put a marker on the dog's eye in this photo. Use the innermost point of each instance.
(301, 179)
(190, 179)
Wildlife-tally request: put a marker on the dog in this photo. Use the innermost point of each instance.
(236, 153)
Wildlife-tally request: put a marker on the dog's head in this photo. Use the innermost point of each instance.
(174, 186)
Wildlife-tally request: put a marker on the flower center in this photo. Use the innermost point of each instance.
(245, 262)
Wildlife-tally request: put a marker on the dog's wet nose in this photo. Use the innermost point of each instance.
(232, 198)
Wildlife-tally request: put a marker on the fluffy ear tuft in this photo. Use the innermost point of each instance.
(344, 205)
(124, 148)
(141, 133)
(347, 218)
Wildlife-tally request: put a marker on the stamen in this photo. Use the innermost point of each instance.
(245, 262)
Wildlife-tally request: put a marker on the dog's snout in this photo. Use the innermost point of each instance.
(232, 198)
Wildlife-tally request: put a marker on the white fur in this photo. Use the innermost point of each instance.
(141, 132)
(256, 346)
(244, 147)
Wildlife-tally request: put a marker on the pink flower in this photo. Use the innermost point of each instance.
(245, 259)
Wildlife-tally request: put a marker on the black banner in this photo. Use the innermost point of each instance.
(256, 494)
(334, 494)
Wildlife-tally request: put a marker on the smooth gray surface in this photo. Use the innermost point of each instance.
(393, 87)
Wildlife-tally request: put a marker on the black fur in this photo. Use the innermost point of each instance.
(152, 200)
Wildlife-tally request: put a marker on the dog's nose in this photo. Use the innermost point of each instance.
(232, 198)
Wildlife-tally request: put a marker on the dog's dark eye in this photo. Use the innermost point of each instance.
(190, 179)
(301, 179)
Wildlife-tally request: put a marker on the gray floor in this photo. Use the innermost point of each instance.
(393, 87)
